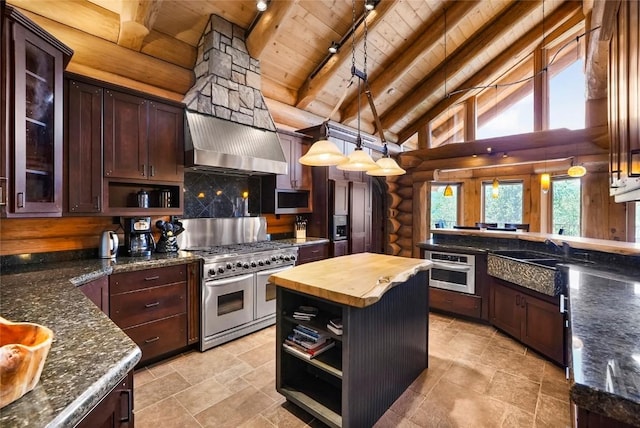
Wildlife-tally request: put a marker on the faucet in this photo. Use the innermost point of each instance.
(564, 248)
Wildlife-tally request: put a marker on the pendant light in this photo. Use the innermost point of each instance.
(323, 153)
(545, 182)
(358, 160)
(448, 191)
(495, 188)
(576, 170)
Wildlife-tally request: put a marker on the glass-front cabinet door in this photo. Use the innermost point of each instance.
(38, 119)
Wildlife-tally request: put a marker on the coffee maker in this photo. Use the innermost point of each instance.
(138, 238)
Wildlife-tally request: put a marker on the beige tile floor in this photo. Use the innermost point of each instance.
(477, 377)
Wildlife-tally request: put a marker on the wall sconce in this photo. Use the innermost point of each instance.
(261, 5)
(334, 47)
(495, 188)
(545, 182)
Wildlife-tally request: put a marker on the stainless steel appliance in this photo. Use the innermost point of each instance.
(237, 297)
(108, 245)
(339, 228)
(450, 271)
(138, 238)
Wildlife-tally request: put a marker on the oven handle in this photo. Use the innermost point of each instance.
(447, 266)
(225, 281)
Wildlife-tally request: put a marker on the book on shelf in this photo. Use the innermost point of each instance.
(334, 330)
(307, 353)
(305, 313)
(308, 331)
(305, 341)
(336, 322)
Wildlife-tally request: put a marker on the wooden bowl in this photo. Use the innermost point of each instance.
(23, 349)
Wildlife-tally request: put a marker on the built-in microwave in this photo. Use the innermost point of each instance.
(282, 201)
(450, 271)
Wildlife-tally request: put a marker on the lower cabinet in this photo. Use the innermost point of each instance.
(535, 321)
(340, 248)
(312, 252)
(155, 307)
(468, 305)
(98, 292)
(115, 410)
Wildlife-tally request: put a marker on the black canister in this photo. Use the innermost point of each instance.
(143, 199)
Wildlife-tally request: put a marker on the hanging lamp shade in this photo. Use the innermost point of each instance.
(495, 188)
(576, 171)
(386, 167)
(545, 182)
(323, 153)
(448, 191)
(359, 160)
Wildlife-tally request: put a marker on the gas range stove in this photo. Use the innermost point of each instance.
(230, 260)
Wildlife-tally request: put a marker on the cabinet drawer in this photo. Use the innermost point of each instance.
(131, 281)
(463, 304)
(312, 253)
(159, 337)
(148, 304)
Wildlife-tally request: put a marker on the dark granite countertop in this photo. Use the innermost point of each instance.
(89, 354)
(301, 242)
(604, 315)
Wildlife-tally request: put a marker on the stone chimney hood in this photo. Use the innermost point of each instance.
(229, 127)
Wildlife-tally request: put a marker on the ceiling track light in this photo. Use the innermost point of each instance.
(370, 4)
(261, 5)
(334, 47)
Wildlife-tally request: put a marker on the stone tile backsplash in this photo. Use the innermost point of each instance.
(217, 196)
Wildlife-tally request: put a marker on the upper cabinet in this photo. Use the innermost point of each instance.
(624, 104)
(142, 138)
(299, 177)
(32, 119)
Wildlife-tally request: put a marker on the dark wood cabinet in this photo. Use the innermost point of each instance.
(624, 101)
(340, 196)
(115, 410)
(98, 292)
(312, 252)
(340, 248)
(294, 146)
(33, 61)
(359, 217)
(468, 305)
(83, 151)
(152, 306)
(165, 148)
(536, 321)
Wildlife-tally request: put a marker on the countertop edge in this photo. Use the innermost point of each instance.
(605, 403)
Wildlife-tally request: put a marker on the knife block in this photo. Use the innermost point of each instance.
(301, 233)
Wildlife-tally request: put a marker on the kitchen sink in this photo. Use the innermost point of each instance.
(522, 254)
(543, 262)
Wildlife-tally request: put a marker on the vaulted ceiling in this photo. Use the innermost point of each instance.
(407, 66)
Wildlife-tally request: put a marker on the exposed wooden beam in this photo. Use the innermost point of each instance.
(108, 57)
(313, 86)
(136, 21)
(411, 53)
(567, 13)
(268, 26)
(285, 114)
(459, 60)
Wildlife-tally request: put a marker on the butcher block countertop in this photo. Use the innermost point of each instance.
(357, 280)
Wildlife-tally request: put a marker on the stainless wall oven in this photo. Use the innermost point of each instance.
(455, 272)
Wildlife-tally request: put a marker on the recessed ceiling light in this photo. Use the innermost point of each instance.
(334, 47)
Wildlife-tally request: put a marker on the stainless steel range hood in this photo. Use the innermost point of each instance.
(218, 145)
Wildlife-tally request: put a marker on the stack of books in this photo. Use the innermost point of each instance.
(305, 313)
(307, 342)
(335, 325)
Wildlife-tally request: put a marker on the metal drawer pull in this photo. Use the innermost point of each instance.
(151, 305)
(315, 251)
(129, 414)
(151, 278)
(153, 339)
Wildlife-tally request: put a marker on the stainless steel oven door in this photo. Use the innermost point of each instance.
(266, 292)
(227, 303)
(458, 275)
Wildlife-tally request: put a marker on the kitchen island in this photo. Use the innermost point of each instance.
(382, 302)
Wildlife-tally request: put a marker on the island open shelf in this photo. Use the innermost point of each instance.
(382, 350)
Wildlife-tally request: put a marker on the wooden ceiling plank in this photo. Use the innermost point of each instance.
(411, 53)
(567, 12)
(313, 86)
(268, 26)
(460, 59)
(136, 21)
(170, 49)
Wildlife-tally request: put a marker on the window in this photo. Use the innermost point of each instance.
(566, 86)
(448, 127)
(444, 209)
(507, 110)
(507, 207)
(566, 205)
